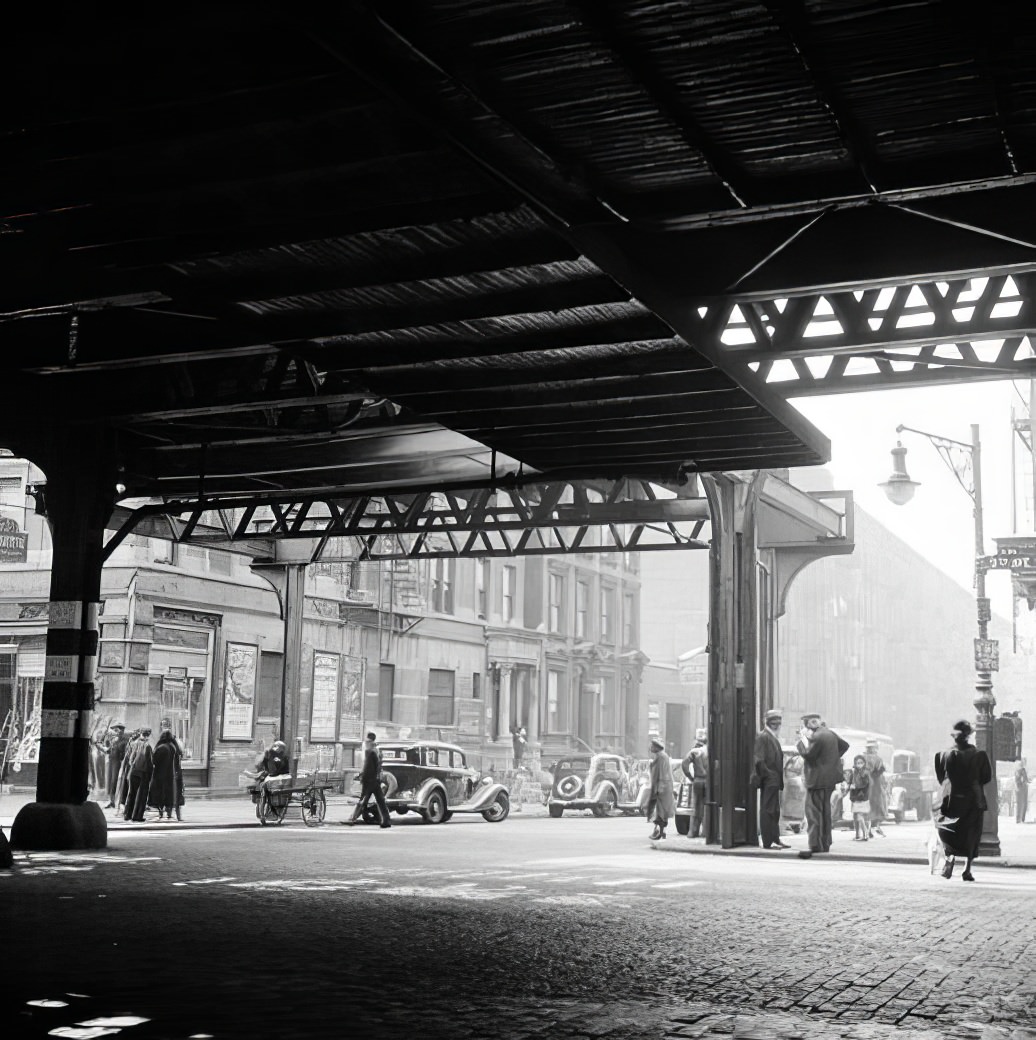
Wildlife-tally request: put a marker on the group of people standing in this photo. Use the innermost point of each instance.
(139, 775)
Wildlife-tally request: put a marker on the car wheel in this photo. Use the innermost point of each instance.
(499, 810)
(402, 810)
(435, 810)
(447, 816)
(569, 785)
(897, 815)
(683, 825)
(606, 806)
(555, 811)
(371, 814)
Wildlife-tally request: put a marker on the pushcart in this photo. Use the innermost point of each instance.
(276, 794)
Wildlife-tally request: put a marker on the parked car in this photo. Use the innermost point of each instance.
(603, 783)
(909, 790)
(434, 780)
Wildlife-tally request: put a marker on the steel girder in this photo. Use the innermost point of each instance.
(936, 331)
(561, 517)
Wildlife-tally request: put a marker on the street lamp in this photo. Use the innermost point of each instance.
(965, 462)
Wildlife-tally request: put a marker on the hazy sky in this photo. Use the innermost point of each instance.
(939, 521)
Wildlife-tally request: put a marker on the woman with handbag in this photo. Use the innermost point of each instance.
(965, 770)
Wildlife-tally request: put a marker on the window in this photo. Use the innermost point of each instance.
(582, 606)
(629, 626)
(508, 597)
(607, 615)
(555, 721)
(440, 697)
(442, 585)
(386, 691)
(476, 686)
(557, 602)
(482, 587)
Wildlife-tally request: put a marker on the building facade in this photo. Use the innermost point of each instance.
(465, 650)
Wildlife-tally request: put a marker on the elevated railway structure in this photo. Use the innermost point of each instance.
(270, 254)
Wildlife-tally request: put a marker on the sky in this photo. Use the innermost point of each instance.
(939, 521)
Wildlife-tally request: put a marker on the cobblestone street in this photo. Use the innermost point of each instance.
(532, 929)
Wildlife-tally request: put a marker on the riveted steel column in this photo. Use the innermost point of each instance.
(79, 496)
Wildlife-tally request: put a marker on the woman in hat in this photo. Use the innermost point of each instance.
(964, 771)
(661, 803)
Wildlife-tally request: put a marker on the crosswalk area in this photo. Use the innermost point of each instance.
(541, 886)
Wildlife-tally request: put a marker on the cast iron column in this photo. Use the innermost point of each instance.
(79, 496)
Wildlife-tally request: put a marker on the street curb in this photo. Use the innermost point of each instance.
(832, 857)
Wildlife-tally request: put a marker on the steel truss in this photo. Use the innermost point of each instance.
(939, 331)
(558, 517)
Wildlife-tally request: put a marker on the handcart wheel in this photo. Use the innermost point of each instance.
(271, 812)
(314, 806)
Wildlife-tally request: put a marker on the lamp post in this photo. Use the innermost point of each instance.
(965, 461)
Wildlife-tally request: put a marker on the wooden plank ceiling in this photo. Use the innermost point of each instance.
(402, 245)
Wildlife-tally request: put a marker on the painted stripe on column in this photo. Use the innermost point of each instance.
(58, 723)
(65, 613)
(61, 668)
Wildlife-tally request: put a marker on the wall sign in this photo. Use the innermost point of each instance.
(239, 675)
(323, 715)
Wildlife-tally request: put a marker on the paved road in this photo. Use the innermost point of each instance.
(533, 928)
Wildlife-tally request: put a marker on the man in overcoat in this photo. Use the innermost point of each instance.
(661, 803)
(769, 775)
(118, 742)
(370, 783)
(821, 750)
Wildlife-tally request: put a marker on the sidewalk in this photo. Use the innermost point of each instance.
(905, 843)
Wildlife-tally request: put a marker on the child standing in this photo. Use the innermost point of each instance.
(859, 797)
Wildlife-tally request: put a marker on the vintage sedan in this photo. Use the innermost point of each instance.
(433, 779)
(602, 783)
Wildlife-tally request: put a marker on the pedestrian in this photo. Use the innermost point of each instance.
(821, 750)
(370, 783)
(122, 784)
(878, 800)
(661, 803)
(518, 742)
(100, 744)
(859, 797)
(164, 790)
(768, 776)
(141, 767)
(1021, 791)
(117, 745)
(695, 767)
(963, 771)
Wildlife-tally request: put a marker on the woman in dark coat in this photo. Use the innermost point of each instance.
(960, 822)
(165, 793)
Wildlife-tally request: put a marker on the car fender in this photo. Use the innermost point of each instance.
(424, 792)
(602, 789)
(484, 796)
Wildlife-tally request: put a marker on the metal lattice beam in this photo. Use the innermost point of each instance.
(531, 519)
(939, 331)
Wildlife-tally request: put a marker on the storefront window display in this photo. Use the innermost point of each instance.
(180, 669)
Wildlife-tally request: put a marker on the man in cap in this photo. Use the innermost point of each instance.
(878, 801)
(769, 776)
(370, 783)
(275, 761)
(117, 744)
(821, 750)
(661, 803)
(695, 767)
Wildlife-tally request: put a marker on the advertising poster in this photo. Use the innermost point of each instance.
(239, 678)
(352, 699)
(323, 720)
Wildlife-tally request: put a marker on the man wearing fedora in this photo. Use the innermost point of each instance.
(695, 767)
(821, 750)
(769, 777)
(661, 803)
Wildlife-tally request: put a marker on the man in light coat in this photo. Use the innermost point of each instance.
(821, 750)
(769, 775)
(661, 803)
